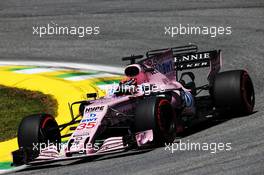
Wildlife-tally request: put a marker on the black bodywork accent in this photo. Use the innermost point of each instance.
(23, 156)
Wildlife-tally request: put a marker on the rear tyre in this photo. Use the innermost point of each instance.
(37, 131)
(156, 113)
(233, 91)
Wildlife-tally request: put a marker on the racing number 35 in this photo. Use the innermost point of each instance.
(86, 125)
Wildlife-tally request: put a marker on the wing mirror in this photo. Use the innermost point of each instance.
(91, 95)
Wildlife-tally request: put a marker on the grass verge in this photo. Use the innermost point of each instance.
(17, 103)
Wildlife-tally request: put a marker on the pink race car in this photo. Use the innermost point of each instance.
(149, 107)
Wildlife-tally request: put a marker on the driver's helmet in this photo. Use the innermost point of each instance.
(134, 78)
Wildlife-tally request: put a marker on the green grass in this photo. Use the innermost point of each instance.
(17, 103)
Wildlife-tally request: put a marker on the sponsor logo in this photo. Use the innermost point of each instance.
(195, 60)
(92, 115)
(84, 133)
(78, 138)
(94, 109)
(166, 67)
(88, 120)
(86, 125)
(192, 57)
(193, 65)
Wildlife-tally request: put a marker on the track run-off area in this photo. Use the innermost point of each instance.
(64, 84)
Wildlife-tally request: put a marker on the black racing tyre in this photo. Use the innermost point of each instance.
(156, 113)
(36, 130)
(233, 91)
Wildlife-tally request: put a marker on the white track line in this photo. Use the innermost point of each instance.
(15, 169)
(35, 70)
(85, 77)
(68, 65)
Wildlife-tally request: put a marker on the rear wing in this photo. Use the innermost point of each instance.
(187, 57)
(176, 50)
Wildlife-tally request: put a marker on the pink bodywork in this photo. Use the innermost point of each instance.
(81, 141)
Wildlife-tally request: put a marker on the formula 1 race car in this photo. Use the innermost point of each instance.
(148, 108)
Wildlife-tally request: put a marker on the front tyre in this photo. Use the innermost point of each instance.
(157, 114)
(37, 131)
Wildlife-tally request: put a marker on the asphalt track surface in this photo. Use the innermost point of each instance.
(132, 27)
